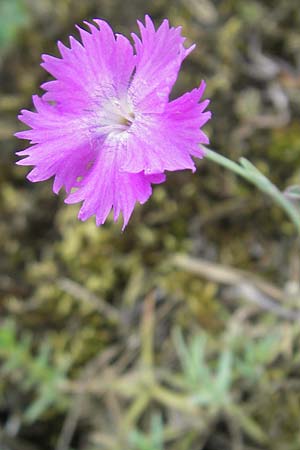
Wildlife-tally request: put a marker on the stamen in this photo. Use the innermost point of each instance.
(128, 120)
(114, 116)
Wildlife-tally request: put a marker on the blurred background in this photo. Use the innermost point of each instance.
(183, 332)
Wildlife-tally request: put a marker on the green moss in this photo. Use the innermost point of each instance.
(109, 304)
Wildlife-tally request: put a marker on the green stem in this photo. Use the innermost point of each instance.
(252, 174)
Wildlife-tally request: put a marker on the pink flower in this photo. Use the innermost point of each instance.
(105, 128)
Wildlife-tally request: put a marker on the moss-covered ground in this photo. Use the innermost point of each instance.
(182, 332)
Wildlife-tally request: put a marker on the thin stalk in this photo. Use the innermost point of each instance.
(249, 172)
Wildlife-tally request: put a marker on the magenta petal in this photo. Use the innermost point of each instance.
(156, 178)
(56, 152)
(151, 147)
(90, 72)
(106, 188)
(159, 142)
(159, 56)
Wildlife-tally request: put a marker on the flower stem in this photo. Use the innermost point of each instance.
(248, 171)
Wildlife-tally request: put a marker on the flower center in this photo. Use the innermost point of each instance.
(115, 116)
(128, 120)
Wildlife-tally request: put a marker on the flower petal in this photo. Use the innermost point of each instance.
(62, 148)
(159, 142)
(159, 56)
(89, 73)
(106, 188)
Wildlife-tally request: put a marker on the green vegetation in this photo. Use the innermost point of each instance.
(181, 333)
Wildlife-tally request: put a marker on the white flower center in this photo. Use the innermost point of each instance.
(115, 116)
